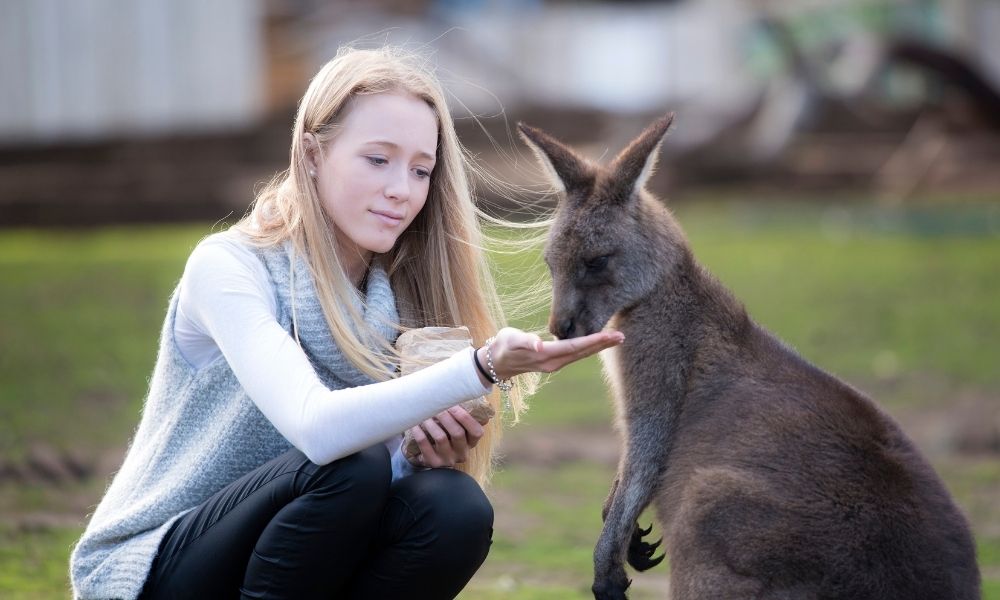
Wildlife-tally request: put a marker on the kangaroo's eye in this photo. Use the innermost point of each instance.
(596, 264)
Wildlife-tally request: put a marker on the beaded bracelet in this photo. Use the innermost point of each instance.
(505, 385)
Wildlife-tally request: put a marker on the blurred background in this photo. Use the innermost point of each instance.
(835, 162)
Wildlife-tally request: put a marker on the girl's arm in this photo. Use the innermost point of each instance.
(226, 296)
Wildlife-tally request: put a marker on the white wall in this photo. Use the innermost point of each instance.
(88, 69)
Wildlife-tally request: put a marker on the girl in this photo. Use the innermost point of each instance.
(267, 462)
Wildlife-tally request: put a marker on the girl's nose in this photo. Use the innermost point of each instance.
(398, 186)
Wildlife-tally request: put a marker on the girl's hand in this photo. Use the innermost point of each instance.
(515, 351)
(445, 440)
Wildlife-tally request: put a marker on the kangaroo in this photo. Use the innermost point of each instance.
(769, 477)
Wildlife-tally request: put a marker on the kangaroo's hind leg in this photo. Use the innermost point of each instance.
(704, 581)
(729, 540)
(699, 580)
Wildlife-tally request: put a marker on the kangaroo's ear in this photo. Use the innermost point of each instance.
(633, 165)
(566, 168)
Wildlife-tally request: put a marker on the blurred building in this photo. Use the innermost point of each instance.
(158, 109)
(95, 69)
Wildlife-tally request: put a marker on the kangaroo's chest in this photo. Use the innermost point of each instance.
(610, 365)
(640, 403)
(639, 379)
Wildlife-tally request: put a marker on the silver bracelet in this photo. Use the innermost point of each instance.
(505, 385)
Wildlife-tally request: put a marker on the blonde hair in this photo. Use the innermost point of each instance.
(437, 267)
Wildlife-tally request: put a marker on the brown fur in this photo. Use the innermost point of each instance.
(770, 477)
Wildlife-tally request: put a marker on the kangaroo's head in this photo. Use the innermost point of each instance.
(610, 243)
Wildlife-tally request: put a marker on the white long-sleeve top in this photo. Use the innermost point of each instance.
(227, 307)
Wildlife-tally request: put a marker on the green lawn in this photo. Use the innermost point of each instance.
(905, 304)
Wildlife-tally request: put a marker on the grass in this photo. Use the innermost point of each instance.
(864, 301)
(901, 302)
(33, 564)
(85, 310)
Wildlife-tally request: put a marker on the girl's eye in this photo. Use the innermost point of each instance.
(422, 173)
(377, 160)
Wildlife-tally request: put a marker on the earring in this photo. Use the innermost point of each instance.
(312, 173)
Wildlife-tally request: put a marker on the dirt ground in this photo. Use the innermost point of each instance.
(50, 489)
(965, 432)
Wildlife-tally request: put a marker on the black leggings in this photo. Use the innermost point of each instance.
(293, 529)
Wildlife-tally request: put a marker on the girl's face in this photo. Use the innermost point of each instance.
(374, 177)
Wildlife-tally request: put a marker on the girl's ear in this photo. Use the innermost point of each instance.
(311, 145)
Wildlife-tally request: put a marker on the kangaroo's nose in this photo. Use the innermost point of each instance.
(561, 328)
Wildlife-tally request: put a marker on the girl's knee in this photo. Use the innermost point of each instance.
(455, 501)
(367, 472)
(473, 507)
(463, 519)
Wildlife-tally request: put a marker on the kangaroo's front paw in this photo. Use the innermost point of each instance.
(611, 587)
(640, 553)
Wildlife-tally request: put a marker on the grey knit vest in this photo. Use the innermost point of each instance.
(199, 431)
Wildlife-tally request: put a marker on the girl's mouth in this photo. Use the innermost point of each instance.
(389, 218)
